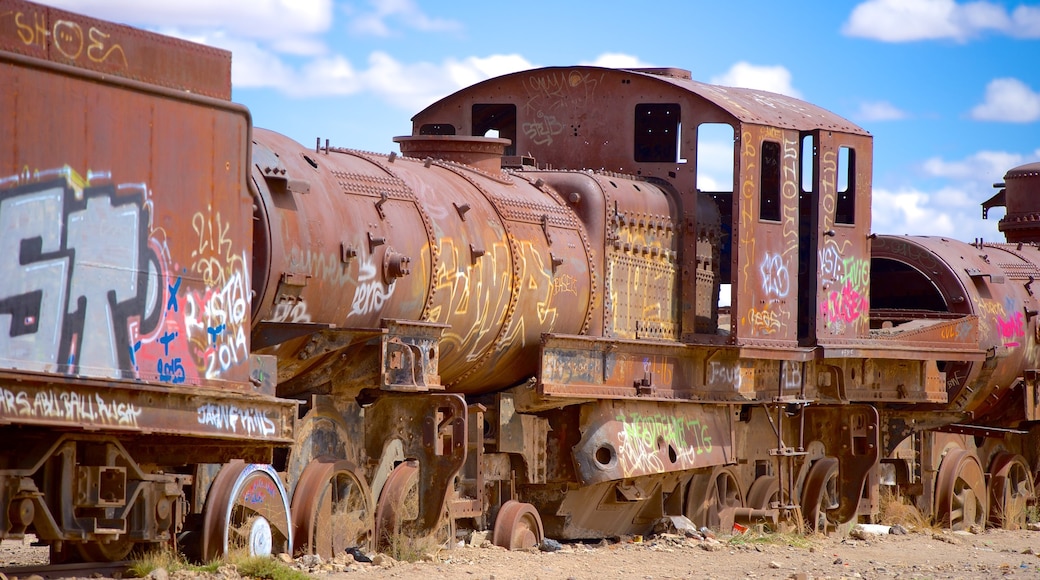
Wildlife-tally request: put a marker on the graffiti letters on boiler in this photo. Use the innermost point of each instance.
(87, 286)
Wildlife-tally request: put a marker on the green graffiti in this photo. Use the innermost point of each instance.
(659, 443)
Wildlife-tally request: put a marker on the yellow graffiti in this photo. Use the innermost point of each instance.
(67, 37)
(214, 256)
(565, 284)
(763, 321)
(828, 171)
(789, 191)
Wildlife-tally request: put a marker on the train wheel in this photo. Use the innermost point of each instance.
(820, 494)
(711, 494)
(397, 512)
(247, 509)
(763, 492)
(960, 491)
(113, 551)
(518, 526)
(1010, 491)
(332, 509)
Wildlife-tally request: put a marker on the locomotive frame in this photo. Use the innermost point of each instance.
(214, 337)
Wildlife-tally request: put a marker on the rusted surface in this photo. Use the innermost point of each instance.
(961, 499)
(94, 472)
(518, 527)
(1019, 197)
(989, 286)
(850, 434)
(621, 441)
(127, 408)
(498, 260)
(544, 258)
(432, 431)
(332, 509)
(175, 254)
(770, 231)
(87, 43)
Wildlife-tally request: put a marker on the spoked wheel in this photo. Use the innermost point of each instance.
(1010, 491)
(332, 509)
(518, 526)
(712, 494)
(960, 491)
(820, 495)
(397, 514)
(247, 509)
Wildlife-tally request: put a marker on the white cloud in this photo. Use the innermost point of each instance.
(281, 21)
(984, 166)
(1009, 100)
(617, 60)
(952, 210)
(409, 86)
(474, 69)
(406, 12)
(775, 79)
(879, 111)
(911, 20)
(908, 211)
(1027, 22)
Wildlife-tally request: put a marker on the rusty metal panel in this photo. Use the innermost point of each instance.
(134, 407)
(765, 238)
(642, 263)
(844, 245)
(126, 228)
(764, 108)
(631, 439)
(72, 39)
(574, 366)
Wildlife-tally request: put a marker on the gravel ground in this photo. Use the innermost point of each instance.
(927, 554)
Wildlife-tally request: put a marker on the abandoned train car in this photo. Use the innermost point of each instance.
(216, 338)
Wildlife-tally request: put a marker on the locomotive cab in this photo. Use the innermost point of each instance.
(792, 242)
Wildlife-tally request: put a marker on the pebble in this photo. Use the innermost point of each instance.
(550, 545)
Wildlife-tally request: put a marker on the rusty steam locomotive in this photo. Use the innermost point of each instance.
(214, 337)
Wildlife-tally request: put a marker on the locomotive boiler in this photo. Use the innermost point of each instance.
(543, 317)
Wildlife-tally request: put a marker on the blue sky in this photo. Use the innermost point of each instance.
(950, 90)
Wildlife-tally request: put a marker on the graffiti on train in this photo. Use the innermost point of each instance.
(653, 443)
(68, 406)
(87, 288)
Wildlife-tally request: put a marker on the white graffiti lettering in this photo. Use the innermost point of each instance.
(69, 406)
(236, 420)
(775, 279)
(371, 293)
(720, 374)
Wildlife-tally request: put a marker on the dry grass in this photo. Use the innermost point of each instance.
(246, 566)
(894, 510)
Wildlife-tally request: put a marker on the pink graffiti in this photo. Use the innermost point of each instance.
(846, 306)
(1012, 328)
(164, 354)
(259, 490)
